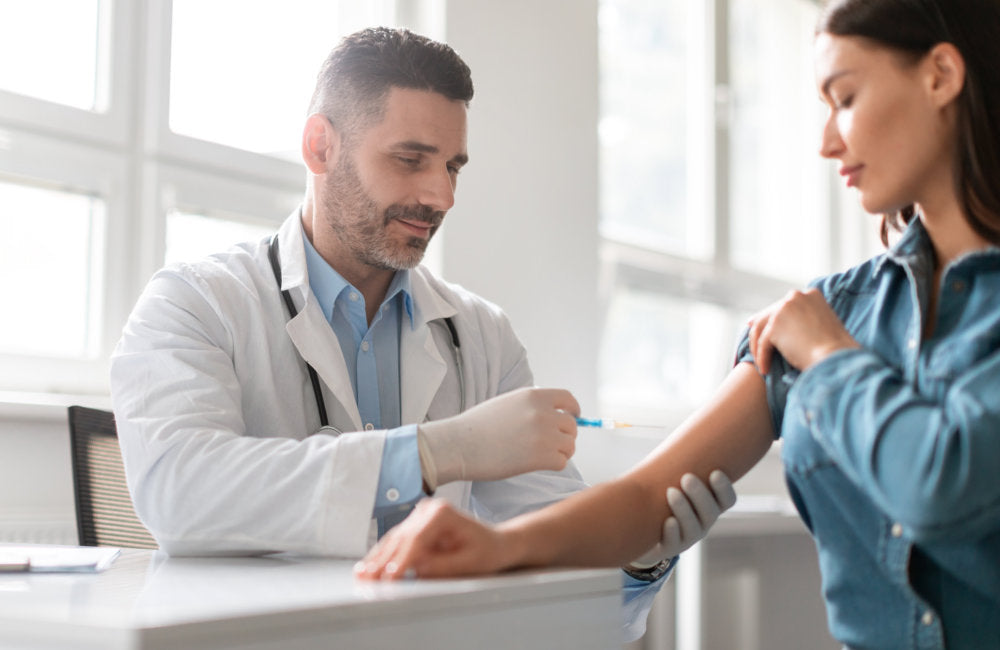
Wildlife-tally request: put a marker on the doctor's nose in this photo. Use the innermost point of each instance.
(437, 190)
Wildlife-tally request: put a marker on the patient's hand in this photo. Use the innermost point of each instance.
(435, 540)
(802, 327)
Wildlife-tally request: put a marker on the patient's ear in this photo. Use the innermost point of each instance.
(320, 144)
(945, 73)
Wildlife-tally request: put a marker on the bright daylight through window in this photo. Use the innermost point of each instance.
(709, 129)
(129, 138)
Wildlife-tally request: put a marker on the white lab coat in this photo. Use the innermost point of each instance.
(214, 407)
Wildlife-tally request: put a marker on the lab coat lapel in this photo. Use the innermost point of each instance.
(314, 339)
(422, 367)
(309, 330)
(421, 371)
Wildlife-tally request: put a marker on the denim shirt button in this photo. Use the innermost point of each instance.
(958, 286)
(927, 618)
(897, 530)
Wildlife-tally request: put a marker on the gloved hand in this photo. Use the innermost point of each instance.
(694, 509)
(521, 431)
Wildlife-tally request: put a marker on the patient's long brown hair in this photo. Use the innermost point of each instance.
(973, 27)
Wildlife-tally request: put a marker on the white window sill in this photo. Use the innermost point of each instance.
(45, 406)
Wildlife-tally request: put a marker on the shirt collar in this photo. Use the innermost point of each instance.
(401, 285)
(328, 285)
(914, 249)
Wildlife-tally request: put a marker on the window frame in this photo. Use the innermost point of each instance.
(126, 155)
(630, 265)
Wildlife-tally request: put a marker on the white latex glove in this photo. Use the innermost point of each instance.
(521, 431)
(694, 510)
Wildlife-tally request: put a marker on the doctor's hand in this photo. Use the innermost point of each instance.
(437, 540)
(802, 327)
(521, 431)
(695, 508)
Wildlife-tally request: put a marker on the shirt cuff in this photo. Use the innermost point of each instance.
(637, 599)
(400, 482)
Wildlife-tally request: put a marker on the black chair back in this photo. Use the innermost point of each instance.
(104, 512)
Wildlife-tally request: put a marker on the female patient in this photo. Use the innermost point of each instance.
(883, 381)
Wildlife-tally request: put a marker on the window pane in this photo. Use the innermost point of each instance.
(51, 262)
(191, 237)
(645, 173)
(253, 92)
(661, 353)
(778, 181)
(50, 50)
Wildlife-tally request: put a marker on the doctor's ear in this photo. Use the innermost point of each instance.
(320, 144)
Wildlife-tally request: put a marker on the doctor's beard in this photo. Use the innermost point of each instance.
(362, 226)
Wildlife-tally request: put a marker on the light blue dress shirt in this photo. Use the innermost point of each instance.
(372, 357)
(892, 450)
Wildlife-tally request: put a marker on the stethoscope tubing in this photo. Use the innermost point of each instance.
(273, 257)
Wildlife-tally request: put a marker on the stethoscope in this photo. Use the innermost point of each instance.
(272, 254)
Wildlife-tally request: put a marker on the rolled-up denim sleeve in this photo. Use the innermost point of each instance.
(400, 481)
(777, 382)
(928, 460)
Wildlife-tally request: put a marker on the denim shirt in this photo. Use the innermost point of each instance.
(892, 451)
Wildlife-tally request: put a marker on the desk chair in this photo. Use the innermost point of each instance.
(104, 512)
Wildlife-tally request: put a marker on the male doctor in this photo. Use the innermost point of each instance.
(424, 386)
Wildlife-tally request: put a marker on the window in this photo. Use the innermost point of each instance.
(778, 182)
(108, 170)
(193, 236)
(261, 103)
(709, 132)
(67, 66)
(52, 243)
(649, 176)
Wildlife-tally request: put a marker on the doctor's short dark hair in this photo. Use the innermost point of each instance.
(358, 74)
(912, 28)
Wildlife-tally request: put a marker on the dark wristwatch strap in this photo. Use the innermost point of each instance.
(653, 573)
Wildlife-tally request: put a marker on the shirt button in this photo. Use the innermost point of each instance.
(927, 618)
(958, 286)
(392, 494)
(353, 296)
(369, 427)
(912, 343)
(897, 530)
(365, 346)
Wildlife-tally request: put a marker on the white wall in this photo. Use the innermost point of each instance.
(523, 232)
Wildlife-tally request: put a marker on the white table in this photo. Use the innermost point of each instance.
(148, 601)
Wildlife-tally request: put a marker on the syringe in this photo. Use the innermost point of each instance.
(602, 423)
